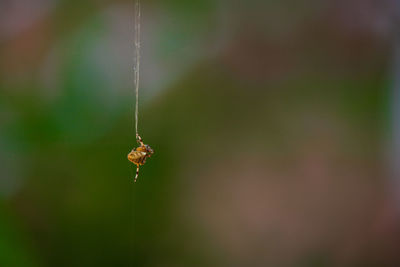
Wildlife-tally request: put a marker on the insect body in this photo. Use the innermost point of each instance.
(139, 155)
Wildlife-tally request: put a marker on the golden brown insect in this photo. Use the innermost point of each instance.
(139, 155)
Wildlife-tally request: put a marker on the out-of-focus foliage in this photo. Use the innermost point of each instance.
(269, 120)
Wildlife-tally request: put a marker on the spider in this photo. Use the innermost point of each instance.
(139, 155)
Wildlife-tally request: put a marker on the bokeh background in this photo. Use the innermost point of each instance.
(276, 126)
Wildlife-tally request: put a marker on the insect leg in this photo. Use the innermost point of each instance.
(137, 173)
(139, 139)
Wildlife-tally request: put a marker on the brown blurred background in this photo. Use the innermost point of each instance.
(276, 127)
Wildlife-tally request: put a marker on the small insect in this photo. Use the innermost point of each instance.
(139, 155)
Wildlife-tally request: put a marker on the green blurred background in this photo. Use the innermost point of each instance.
(275, 126)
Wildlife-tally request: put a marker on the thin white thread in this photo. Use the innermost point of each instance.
(136, 80)
(137, 61)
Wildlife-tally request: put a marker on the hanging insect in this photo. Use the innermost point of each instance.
(139, 155)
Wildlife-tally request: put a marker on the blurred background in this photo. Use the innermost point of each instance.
(275, 125)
